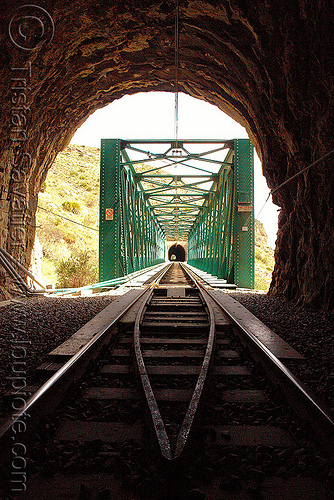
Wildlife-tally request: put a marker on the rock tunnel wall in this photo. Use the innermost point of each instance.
(268, 64)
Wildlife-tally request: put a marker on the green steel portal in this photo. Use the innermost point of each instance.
(201, 191)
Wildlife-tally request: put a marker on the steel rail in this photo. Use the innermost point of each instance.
(158, 423)
(202, 378)
(46, 398)
(298, 395)
(157, 420)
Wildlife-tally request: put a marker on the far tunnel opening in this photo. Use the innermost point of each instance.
(177, 252)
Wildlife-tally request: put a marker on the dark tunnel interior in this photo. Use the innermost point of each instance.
(177, 252)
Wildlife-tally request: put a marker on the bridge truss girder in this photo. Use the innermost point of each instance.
(130, 237)
(205, 197)
(221, 241)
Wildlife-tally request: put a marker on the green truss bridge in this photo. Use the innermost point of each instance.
(197, 194)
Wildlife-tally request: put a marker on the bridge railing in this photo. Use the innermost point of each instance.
(203, 196)
(130, 237)
(221, 240)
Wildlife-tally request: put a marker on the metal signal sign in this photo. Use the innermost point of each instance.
(109, 214)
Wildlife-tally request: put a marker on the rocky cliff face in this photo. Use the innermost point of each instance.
(266, 64)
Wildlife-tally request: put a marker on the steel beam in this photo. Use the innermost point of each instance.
(244, 213)
(213, 211)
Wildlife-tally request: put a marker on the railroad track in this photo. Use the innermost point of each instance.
(164, 401)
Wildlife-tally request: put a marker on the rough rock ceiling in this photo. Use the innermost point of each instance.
(267, 64)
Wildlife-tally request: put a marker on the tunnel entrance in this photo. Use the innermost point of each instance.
(215, 41)
(177, 252)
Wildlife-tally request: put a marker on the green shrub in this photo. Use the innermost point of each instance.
(71, 206)
(78, 270)
(91, 202)
(258, 254)
(264, 259)
(70, 239)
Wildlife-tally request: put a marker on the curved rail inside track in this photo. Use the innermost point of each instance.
(159, 426)
(46, 398)
(52, 392)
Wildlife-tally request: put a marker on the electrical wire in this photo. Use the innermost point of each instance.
(176, 107)
(302, 171)
(66, 218)
(272, 191)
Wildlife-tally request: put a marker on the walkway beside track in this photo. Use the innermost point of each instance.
(211, 280)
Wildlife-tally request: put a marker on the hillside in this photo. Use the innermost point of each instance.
(264, 258)
(71, 190)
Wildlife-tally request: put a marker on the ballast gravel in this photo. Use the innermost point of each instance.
(35, 326)
(31, 328)
(38, 325)
(310, 332)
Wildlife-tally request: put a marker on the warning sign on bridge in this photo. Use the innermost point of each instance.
(109, 214)
(245, 208)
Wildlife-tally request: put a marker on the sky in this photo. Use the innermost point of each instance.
(151, 116)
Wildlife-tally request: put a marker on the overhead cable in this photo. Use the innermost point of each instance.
(176, 110)
(66, 218)
(302, 171)
(272, 191)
